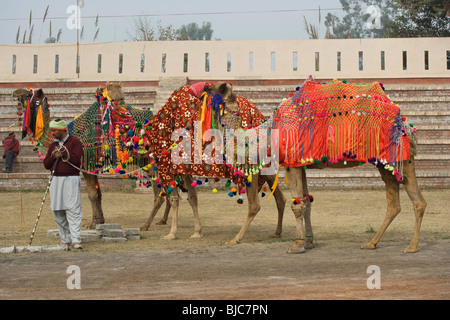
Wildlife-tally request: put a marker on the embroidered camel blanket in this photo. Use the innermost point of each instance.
(179, 115)
(340, 121)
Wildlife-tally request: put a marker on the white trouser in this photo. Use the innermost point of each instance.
(69, 225)
(65, 194)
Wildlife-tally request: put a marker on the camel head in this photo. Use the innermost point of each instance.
(39, 97)
(115, 91)
(227, 93)
(21, 94)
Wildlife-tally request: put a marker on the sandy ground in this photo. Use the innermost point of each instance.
(256, 269)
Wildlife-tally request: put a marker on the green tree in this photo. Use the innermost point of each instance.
(363, 19)
(192, 31)
(420, 18)
(390, 19)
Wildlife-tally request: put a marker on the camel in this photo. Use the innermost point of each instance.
(183, 101)
(116, 94)
(295, 170)
(33, 107)
(108, 96)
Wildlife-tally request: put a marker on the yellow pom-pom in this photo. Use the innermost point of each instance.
(214, 190)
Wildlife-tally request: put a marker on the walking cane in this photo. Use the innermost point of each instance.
(43, 200)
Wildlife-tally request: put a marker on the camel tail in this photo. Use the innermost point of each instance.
(412, 144)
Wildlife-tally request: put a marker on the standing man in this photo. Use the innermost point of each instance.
(11, 149)
(65, 188)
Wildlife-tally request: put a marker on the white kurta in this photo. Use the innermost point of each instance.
(65, 193)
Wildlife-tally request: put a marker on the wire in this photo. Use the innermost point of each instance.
(183, 14)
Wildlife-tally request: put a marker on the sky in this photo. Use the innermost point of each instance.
(231, 19)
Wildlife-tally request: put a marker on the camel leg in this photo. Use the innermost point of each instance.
(308, 228)
(193, 201)
(419, 203)
(163, 220)
(281, 203)
(295, 179)
(253, 209)
(95, 196)
(393, 206)
(174, 199)
(157, 203)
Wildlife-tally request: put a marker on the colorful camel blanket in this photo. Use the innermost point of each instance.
(175, 123)
(114, 135)
(340, 121)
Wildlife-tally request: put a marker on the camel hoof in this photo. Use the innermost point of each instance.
(232, 242)
(161, 223)
(275, 235)
(196, 235)
(368, 246)
(410, 249)
(170, 236)
(309, 246)
(296, 250)
(144, 228)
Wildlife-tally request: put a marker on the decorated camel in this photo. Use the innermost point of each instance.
(340, 125)
(212, 106)
(94, 129)
(33, 114)
(116, 140)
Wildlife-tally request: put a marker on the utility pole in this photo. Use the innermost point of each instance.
(78, 37)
